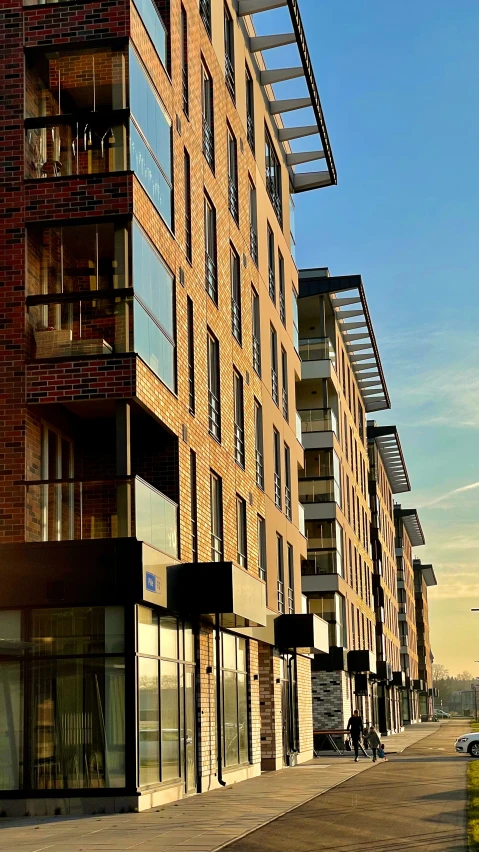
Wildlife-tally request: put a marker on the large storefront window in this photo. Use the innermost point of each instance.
(166, 699)
(235, 728)
(74, 676)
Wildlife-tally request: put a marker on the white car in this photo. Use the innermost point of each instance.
(469, 744)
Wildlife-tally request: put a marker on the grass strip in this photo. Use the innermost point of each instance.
(473, 801)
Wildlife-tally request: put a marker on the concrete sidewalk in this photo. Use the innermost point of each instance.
(203, 823)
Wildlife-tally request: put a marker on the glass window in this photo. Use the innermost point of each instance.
(149, 721)
(153, 282)
(232, 152)
(249, 109)
(290, 578)
(235, 701)
(77, 708)
(253, 222)
(211, 277)
(147, 631)
(154, 26)
(170, 734)
(216, 518)
(238, 418)
(274, 365)
(191, 354)
(258, 438)
(11, 711)
(169, 637)
(287, 482)
(281, 282)
(193, 507)
(77, 630)
(205, 12)
(280, 571)
(273, 176)
(188, 221)
(152, 162)
(207, 116)
(261, 548)
(294, 304)
(271, 265)
(229, 52)
(184, 60)
(241, 554)
(284, 382)
(214, 407)
(256, 331)
(277, 468)
(235, 278)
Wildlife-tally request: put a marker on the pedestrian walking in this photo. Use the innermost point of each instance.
(374, 742)
(355, 727)
(366, 735)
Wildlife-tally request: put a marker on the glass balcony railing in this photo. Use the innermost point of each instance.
(318, 420)
(86, 323)
(322, 562)
(299, 431)
(75, 148)
(69, 509)
(317, 349)
(324, 490)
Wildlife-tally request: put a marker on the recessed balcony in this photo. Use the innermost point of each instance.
(318, 420)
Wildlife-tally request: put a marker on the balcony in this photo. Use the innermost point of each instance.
(299, 435)
(324, 490)
(317, 349)
(321, 562)
(318, 420)
(71, 510)
(59, 147)
(83, 323)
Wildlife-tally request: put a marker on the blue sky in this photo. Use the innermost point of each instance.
(398, 85)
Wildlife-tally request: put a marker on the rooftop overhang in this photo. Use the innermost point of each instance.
(389, 446)
(427, 572)
(349, 304)
(412, 524)
(217, 588)
(259, 44)
(306, 631)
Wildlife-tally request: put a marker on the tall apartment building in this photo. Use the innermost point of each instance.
(341, 383)
(151, 531)
(387, 476)
(424, 577)
(409, 534)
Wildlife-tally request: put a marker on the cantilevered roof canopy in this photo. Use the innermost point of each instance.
(349, 304)
(427, 572)
(389, 446)
(412, 524)
(300, 181)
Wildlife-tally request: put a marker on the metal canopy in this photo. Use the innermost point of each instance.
(389, 446)
(412, 524)
(300, 181)
(348, 300)
(427, 572)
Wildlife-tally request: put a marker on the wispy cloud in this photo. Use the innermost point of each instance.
(450, 494)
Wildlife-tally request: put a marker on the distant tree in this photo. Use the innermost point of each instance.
(439, 672)
(465, 676)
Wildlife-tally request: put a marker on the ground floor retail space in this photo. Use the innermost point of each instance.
(120, 707)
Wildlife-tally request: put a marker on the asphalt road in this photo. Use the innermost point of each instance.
(415, 802)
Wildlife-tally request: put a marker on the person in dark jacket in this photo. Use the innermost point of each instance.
(374, 742)
(355, 727)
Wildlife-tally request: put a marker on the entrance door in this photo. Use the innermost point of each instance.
(190, 731)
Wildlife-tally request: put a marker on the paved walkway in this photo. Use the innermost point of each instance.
(414, 803)
(202, 823)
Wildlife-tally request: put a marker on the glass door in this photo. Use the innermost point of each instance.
(190, 731)
(289, 707)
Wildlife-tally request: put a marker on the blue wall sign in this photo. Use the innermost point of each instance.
(150, 582)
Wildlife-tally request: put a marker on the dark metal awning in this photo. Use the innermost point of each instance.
(302, 630)
(362, 661)
(210, 588)
(412, 524)
(387, 441)
(348, 301)
(301, 181)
